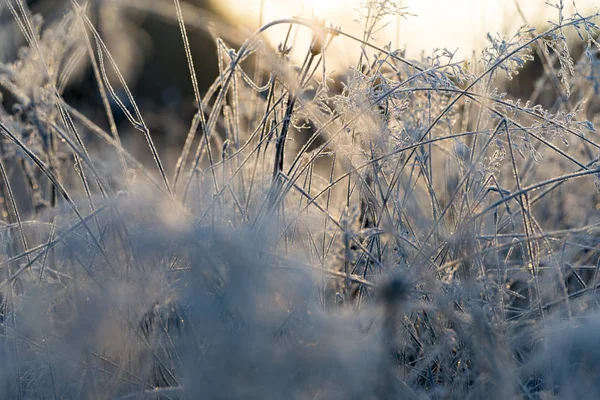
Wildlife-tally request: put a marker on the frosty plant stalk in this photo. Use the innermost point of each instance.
(399, 228)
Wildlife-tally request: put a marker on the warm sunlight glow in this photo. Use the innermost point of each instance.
(320, 6)
(456, 24)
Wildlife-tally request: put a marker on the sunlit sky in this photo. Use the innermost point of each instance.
(454, 24)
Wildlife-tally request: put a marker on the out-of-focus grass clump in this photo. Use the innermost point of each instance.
(404, 229)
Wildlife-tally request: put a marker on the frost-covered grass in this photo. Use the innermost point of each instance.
(402, 230)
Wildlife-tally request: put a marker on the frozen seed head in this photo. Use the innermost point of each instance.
(318, 42)
(394, 291)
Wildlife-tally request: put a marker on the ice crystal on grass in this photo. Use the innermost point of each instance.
(508, 54)
(403, 228)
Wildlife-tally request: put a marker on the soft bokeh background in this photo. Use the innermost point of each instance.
(456, 24)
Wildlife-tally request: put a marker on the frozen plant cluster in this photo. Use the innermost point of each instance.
(403, 229)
